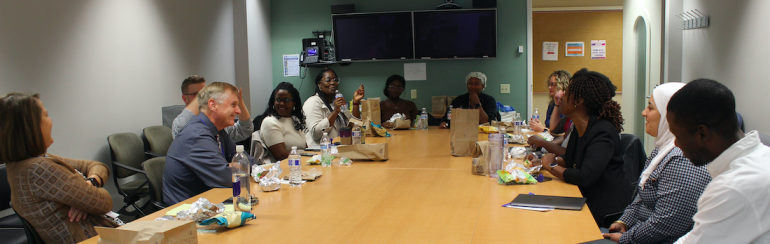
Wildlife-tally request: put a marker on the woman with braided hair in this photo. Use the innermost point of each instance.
(594, 156)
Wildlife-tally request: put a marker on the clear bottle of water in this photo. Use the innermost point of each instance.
(424, 119)
(241, 183)
(337, 94)
(449, 115)
(326, 155)
(356, 135)
(501, 130)
(535, 114)
(295, 168)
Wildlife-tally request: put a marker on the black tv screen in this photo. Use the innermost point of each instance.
(455, 34)
(373, 36)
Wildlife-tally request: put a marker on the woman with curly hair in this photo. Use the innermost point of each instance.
(557, 84)
(284, 123)
(594, 156)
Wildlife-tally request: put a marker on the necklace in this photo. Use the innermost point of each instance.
(395, 104)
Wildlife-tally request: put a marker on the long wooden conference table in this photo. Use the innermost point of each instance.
(422, 194)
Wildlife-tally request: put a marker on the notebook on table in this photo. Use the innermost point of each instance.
(545, 201)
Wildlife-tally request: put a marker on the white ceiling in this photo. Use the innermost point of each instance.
(574, 3)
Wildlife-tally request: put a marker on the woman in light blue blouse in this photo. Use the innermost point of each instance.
(669, 186)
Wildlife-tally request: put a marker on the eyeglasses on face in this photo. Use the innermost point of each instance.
(395, 88)
(551, 84)
(332, 79)
(284, 100)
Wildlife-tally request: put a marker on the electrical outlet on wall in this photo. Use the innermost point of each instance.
(505, 88)
(414, 93)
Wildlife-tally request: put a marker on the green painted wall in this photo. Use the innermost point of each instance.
(293, 20)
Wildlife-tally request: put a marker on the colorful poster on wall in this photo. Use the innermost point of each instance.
(551, 51)
(574, 49)
(598, 49)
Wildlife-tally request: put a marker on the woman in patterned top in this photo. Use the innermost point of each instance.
(46, 190)
(669, 186)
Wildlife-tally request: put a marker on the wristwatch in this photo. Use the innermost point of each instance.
(93, 182)
(478, 105)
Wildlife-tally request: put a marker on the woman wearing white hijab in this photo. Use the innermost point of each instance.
(669, 187)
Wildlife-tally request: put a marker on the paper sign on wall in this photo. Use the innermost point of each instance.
(598, 49)
(574, 49)
(291, 65)
(551, 51)
(414, 71)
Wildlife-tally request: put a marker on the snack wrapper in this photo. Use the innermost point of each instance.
(379, 130)
(260, 171)
(395, 117)
(518, 152)
(518, 176)
(345, 161)
(200, 210)
(487, 129)
(226, 220)
(315, 160)
(271, 182)
(529, 170)
(545, 135)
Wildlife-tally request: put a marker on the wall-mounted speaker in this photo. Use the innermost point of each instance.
(484, 3)
(343, 8)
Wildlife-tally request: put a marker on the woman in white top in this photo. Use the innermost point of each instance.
(283, 126)
(324, 112)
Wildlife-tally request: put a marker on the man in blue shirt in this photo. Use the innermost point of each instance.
(198, 159)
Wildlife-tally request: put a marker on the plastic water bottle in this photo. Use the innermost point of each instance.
(295, 168)
(424, 119)
(241, 187)
(337, 94)
(356, 135)
(535, 114)
(521, 121)
(501, 130)
(326, 155)
(449, 115)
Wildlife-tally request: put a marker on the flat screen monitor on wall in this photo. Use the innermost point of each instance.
(455, 34)
(373, 36)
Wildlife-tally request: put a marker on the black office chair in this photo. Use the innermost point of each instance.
(127, 151)
(11, 227)
(154, 170)
(634, 159)
(32, 236)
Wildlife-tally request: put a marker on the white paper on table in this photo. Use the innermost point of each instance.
(551, 51)
(598, 49)
(414, 71)
(291, 65)
(574, 49)
(539, 209)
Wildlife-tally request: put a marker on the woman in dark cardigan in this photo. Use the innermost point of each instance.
(594, 157)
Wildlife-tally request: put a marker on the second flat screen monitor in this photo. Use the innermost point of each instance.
(373, 36)
(455, 34)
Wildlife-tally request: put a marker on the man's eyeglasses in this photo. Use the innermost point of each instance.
(395, 88)
(284, 100)
(190, 94)
(333, 79)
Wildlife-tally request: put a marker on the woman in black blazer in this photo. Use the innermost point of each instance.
(594, 157)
